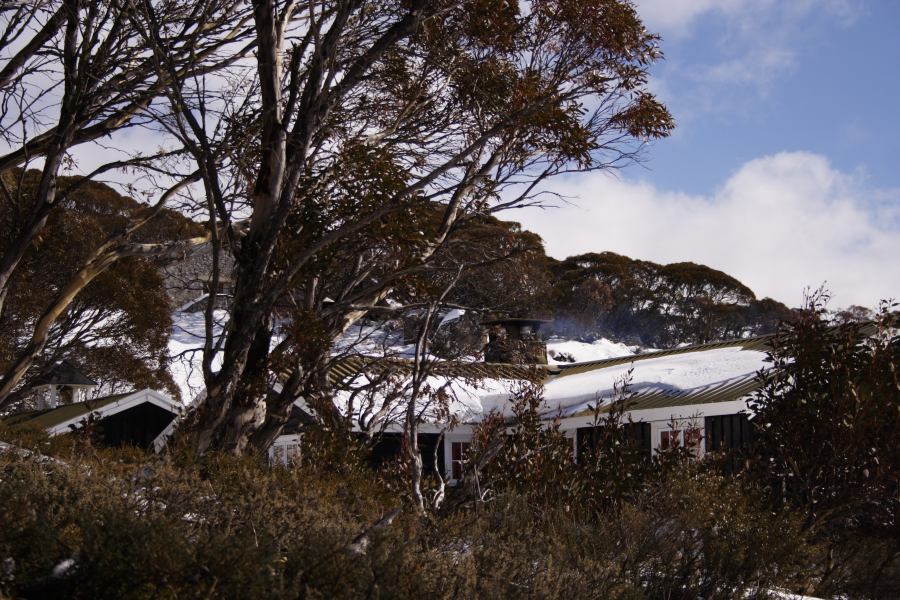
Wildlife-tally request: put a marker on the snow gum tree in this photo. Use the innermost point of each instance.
(116, 329)
(334, 147)
(827, 423)
(74, 76)
(322, 162)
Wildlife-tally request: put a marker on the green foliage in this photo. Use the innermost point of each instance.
(827, 424)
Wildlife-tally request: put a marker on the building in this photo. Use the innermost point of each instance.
(693, 396)
(143, 418)
(62, 383)
(188, 278)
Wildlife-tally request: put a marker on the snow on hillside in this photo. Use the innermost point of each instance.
(583, 352)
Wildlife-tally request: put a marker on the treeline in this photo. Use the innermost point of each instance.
(506, 269)
(652, 304)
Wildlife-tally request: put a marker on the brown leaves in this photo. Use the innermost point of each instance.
(646, 118)
(117, 328)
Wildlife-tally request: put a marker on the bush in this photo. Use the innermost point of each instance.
(115, 525)
(224, 527)
(827, 424)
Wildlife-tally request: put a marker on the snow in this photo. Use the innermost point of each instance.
(584, 352)
(440, 397)
(372, 340)
(186, 350)
(60, 570)
(451, 316)
(470, 401)
(570, 394)
(791, 596)
(679, 372)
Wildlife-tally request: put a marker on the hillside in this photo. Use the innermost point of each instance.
(603, 295)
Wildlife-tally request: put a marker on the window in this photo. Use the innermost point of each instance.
(457, 459)
(669, 439)
(285, 451)
(690, 437)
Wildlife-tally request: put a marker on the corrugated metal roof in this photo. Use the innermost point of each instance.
(52, 417)
(351, 366)
(647, 398)
(725, 391)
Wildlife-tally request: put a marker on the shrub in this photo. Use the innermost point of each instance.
(115, 525)
(827, 424)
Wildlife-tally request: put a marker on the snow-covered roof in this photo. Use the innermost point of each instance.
(695, 377)
(691, 375)
(714, 372)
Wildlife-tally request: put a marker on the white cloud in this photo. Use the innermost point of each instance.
(759, 69)
(676, 17)
(779, 224)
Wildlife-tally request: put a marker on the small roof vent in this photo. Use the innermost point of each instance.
(64, 373)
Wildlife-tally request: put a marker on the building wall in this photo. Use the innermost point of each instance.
(187, 277)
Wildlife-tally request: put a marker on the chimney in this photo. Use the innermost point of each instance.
(515, 341)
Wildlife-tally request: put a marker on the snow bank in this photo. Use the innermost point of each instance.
(186, 350)
(584, 352)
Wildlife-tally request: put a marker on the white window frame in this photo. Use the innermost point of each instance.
(285, 450)
(449, 440)
(682, 424)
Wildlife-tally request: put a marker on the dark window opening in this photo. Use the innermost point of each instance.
(458, 452)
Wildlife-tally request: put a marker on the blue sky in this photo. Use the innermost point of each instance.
(825, 81)
(785, 167)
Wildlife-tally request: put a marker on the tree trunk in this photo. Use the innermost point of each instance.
(414, 459)
(234, 407)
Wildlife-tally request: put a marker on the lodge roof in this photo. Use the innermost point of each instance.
(723, 391)
(642, 397)
(714, 372)
(351, 366)
(51, 417)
